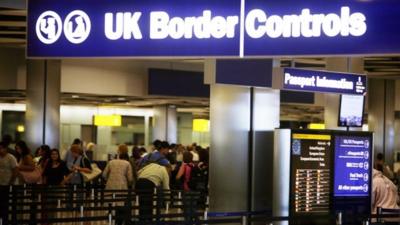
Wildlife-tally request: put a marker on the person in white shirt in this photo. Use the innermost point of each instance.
(150, 177)
(8, 171)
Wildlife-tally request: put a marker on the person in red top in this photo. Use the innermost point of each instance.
(185, 170)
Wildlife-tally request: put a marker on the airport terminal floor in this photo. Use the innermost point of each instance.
(199, 112)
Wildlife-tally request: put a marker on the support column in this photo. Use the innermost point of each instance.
(43, 103)
(147, 140)
(332, 101)
(381, 116)
(229, 155)
(242, 119)
(266, 117)
(165, 124)
(397, 119)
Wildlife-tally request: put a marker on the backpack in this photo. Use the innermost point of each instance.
(198, 179)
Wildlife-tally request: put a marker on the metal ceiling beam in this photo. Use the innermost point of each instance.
(11, 41)
(13, 12)
(13, 23)
(13, 4)
(12, 32)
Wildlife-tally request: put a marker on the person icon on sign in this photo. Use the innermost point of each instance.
(79, 30)
(48, 26)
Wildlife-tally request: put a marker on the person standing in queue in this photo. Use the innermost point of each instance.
(43, 161)
(8, 171)
(380, 163)
(89, 152)
(69, 158)
(119, 176)
(80, 165)
(28, 173)
(384, 192)
(6, 140)
(56, 170)
(158, 156)
(150, 177)
(136, 157)
(53, 175)
(184, 173)
(118, 172)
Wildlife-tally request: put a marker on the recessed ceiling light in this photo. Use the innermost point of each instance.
(121, 99)
(75, 96)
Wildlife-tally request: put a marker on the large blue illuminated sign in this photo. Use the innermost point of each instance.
(207, 28)
(324, 81)
(352, 166)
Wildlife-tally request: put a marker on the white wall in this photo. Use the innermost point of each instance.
(185, 128)
(105, 77)
(124, 77)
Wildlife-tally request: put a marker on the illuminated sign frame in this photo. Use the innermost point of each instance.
(107, 120)
(206, 28)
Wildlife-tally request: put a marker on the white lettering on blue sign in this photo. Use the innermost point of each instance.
(317, 81)
(203, 27)
(257, 24)
(339, 84)
(300, 81)
(125, 25)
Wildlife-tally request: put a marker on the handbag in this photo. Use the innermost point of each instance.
(96, 171)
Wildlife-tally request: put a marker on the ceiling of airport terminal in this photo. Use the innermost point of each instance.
(304, 113)
(12, 27)
(198, 106)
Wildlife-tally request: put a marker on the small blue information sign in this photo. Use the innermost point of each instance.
(324, 81)
(352, 166)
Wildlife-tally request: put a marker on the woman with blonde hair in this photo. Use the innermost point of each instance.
(90, 150)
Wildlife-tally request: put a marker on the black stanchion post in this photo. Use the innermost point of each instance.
(157, 194)
(339, 218)
(244, 220)
(102, 197)
(110, 212)
(14, 206)
(34, 206)
(128, 207)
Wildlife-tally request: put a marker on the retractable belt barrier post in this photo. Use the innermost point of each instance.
(339, 219)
